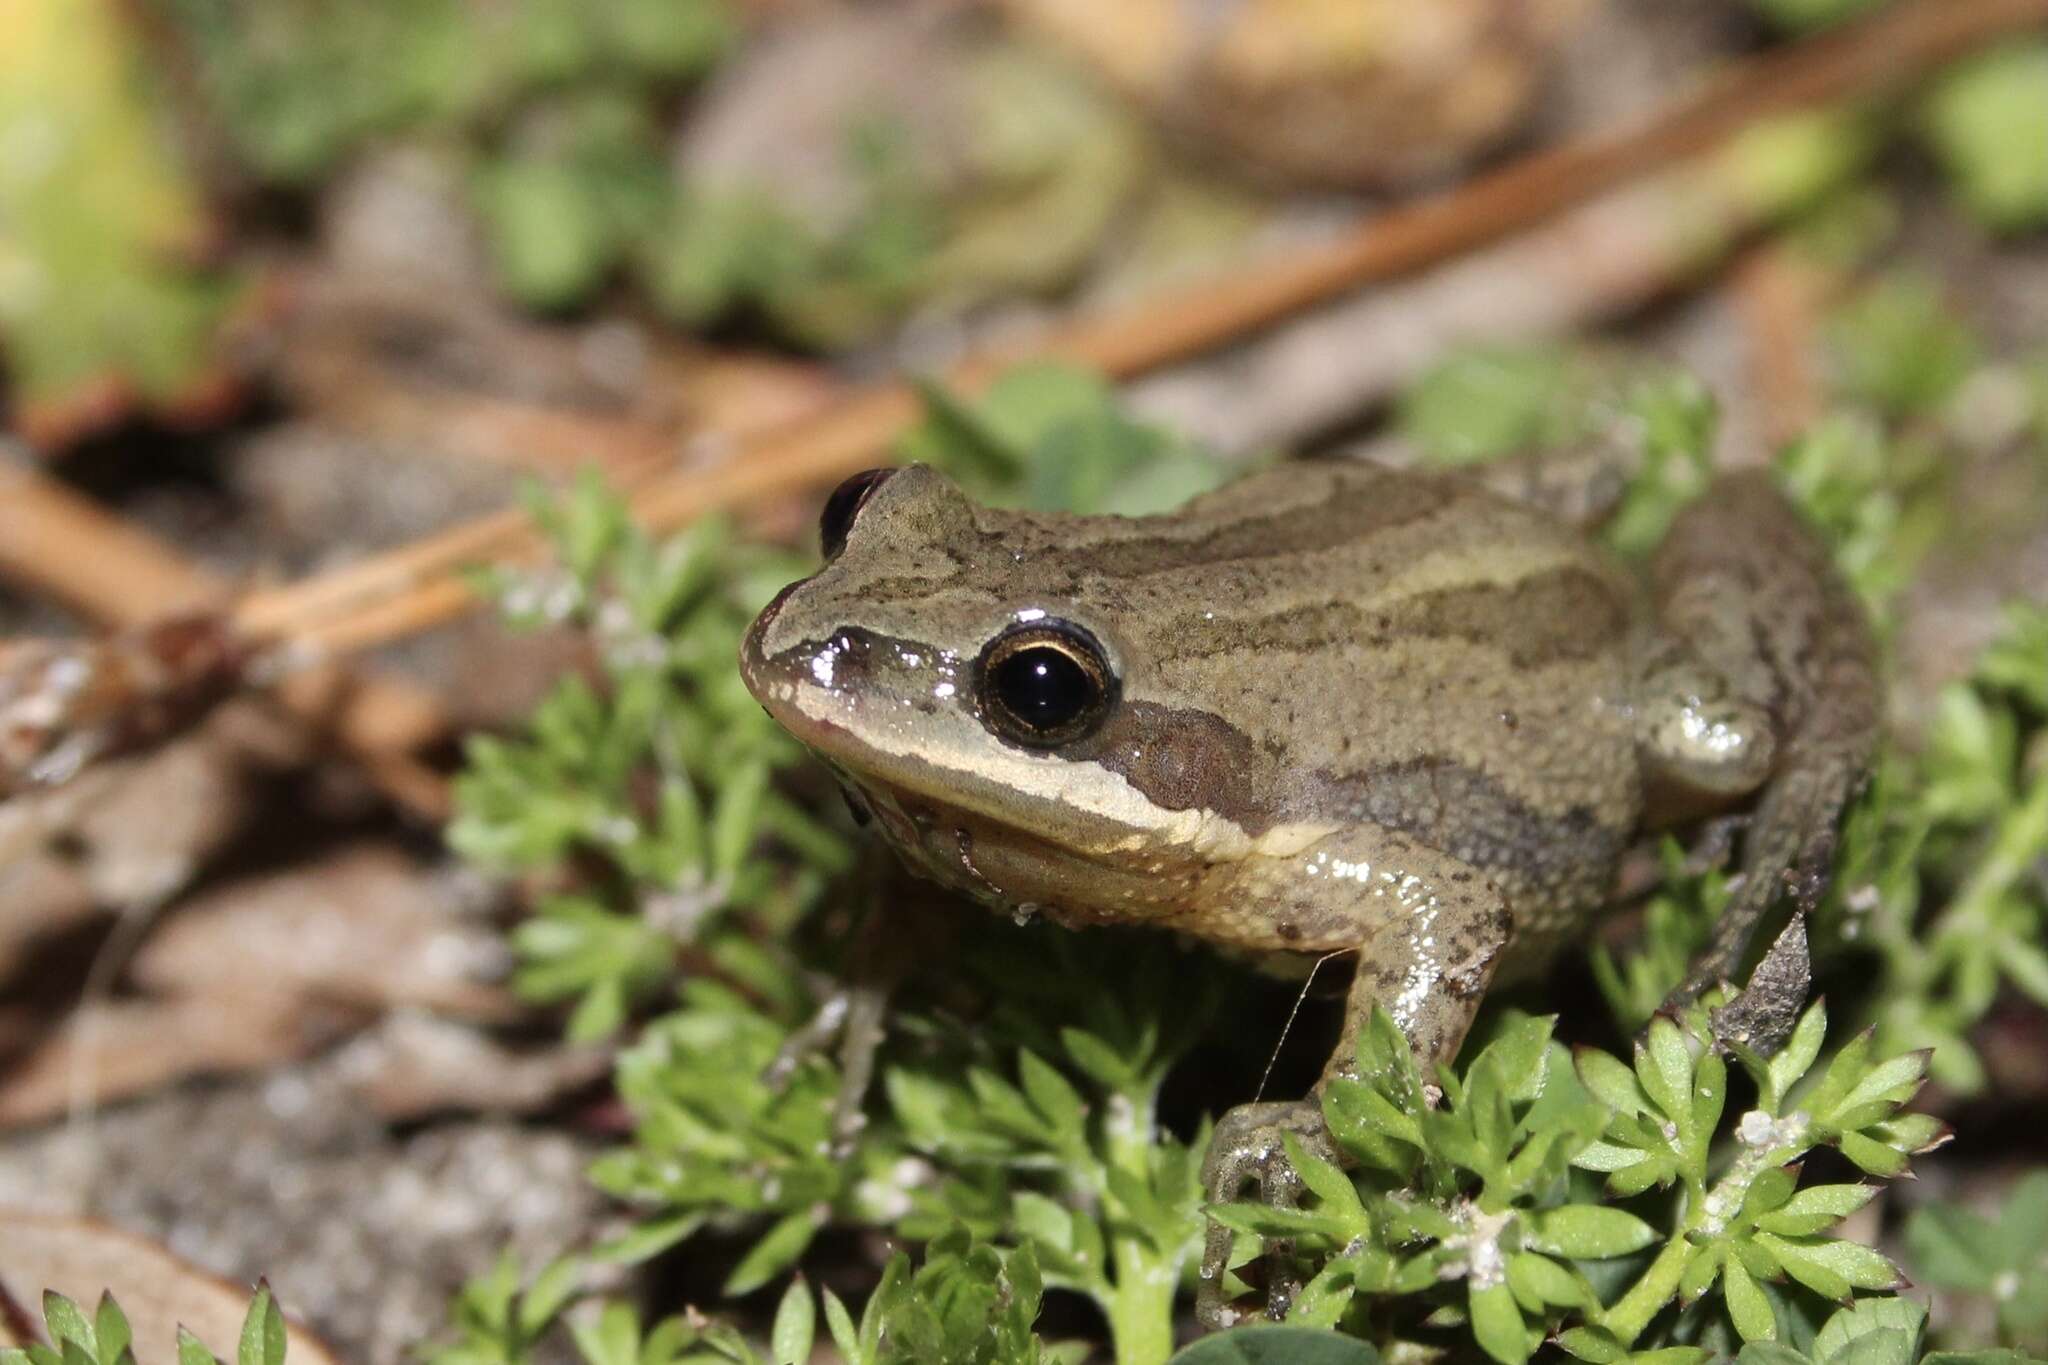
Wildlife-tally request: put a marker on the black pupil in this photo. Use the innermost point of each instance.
(1043, 687)
(836, 523)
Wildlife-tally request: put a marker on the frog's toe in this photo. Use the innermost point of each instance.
(1248, 1148)
(848, 1022)
(1763, 1016)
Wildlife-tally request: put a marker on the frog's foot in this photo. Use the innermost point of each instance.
(852, 1016)
(1713, 847)
(1246, 1148)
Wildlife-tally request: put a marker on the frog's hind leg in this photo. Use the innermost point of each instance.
(1750, 589)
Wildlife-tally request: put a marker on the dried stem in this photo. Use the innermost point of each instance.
(1780, 295)
(62, 544)
(414, 588)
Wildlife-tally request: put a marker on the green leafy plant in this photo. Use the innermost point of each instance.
(1051, 436)
(105, 1338)
(1986, 119)
(1899, 349)
(550, 109)
(1274, 1345)
(1467, 1210)
(2003, 1258)
(661, 780)
(1803, 16)
(1871, 1332)
(496, 1321)
(1947, 901)
(106, 300)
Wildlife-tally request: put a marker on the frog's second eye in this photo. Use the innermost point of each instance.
(1044, 684)
(836, 523)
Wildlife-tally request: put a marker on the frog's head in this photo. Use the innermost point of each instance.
(979, 684)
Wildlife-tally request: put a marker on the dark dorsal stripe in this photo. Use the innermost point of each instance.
(1355, 509)
(1563, 613)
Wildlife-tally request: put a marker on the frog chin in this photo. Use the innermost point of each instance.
(1024, 872)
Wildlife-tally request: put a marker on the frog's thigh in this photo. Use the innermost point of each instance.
(1427, 928)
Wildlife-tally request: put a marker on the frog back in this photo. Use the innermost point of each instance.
(1404, 648)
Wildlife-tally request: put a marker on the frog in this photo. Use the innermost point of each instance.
(1334, 708)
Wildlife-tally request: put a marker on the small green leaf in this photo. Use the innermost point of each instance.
(1771, 1353)
(774, 1253)
(796, 1324)
(1816, 1208)
(192, 1351)
(263, 1335)
(1588, 1231)
(1324, 1180)
(1542, 1280)
(1747, 1307)
(1277, 1345)
(110, 1325)
(1824, 1264)
(1497, 1324)
(1611, 1082)
(1592, 1344)
(1896, 1323)
(844, 1335)
(1664, 1066)
(67, 1323)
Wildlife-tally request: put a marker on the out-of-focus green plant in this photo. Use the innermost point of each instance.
(1052, 437)
(106, 302)
(301, 84)
(1899, 349)
(552, 105)
(1009, 190)
(732, 249)
(1952, 907)
(1804, 16)
(1487, 402)
(1986, 119)
(2002, 1258)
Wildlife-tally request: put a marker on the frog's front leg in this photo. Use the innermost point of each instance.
(1786, 703)
(1428, 931)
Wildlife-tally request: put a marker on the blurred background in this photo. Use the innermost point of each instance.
(290, 288)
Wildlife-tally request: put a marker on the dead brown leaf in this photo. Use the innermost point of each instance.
(117, 1049)
(253, 972)
(414, 1064)
(363, 927)
(83, 1258)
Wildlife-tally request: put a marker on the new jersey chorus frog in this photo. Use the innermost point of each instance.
(1329, 707)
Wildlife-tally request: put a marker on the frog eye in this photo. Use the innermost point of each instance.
(1044, 684)
(836, 522)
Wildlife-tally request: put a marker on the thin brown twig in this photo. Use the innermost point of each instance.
(113, 572)
(1780, 294)
(414, 588)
